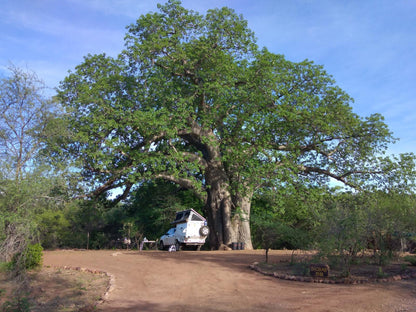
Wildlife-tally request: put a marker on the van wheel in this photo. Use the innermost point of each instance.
(161, 246)
(204, 230)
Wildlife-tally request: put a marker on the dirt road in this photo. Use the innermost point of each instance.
(221, 281)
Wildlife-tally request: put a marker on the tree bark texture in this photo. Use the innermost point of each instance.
(241, 220)
(228, 217)
(218, 206)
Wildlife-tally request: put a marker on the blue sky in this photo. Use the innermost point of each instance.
(369, 47)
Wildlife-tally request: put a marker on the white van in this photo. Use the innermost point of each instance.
(190, 229)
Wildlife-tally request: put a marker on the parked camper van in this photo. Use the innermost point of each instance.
(189, 229)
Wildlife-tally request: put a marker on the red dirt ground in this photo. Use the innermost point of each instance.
(160, 281)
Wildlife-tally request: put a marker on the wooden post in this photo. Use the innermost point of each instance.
(88, 240)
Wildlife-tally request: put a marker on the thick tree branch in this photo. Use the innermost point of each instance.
(341, 178)
(185, 183)
(125, 193)
(109, 185)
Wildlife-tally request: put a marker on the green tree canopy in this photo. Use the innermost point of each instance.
(193, 100)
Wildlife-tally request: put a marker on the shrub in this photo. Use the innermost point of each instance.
(33, 256)
(29, 259)
(411, 259)
(18, 304)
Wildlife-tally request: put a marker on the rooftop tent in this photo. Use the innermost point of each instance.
(183, 216)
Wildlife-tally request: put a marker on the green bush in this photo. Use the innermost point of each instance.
(29, 259)
(411, 259)
(6, 266)
(33, 256)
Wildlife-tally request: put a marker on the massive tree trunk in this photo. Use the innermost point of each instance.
(228, 217)
(219, 205)
(241, 220)
(229, 221)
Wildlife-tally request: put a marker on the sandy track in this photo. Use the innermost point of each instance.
(221, 281)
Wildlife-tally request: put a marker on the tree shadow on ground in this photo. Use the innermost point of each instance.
(52, 290)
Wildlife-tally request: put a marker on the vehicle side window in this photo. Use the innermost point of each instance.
(178, 216)
(196, 218)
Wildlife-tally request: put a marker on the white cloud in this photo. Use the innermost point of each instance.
(131, 9)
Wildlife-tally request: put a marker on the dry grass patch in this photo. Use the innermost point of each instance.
(58, 290)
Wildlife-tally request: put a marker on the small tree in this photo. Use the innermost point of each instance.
(272, 233)
(343, 231)
(25, 113)
(390, 217)
(25, 189)
(361, 220)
